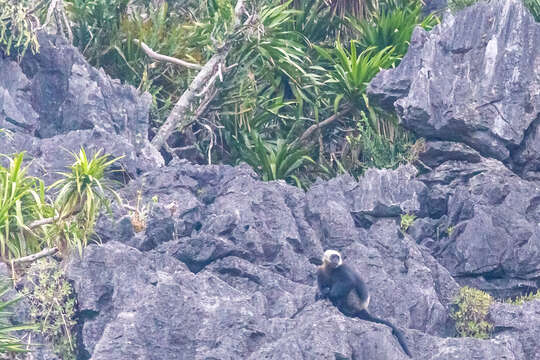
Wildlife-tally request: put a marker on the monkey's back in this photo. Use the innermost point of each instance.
(358, 298)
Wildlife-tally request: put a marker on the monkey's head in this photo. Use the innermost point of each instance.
(332, 258)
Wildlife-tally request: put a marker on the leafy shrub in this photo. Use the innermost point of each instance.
(378, 143)
(29, 222)
(17, 28)
(95, 23)
(283, 76)
(471, 313)
(10, 344)
(392, 27)
(22, 200)
(83, 192)
(273, 161)
(406, 221)
(353, 70)
(52, 305)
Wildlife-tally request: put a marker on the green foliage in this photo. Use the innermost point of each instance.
(165, 33)
(314, 20)
(287, 69)
(520, 300)
(29, 222)
(9, 343)
(52, 305)
(392, 27)
(95, 22)
(22, 199)
(353, 70)
(406, 221)
(273, 161)
(83, 192)
(263, 98)
(17, 28)
(378, 143)
(534, 8)
(358, 9)
(471, 313)
(456, 5)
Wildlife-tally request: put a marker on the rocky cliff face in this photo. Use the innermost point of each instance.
(225, 267)
(475, 79)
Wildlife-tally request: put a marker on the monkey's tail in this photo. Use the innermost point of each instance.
(364, 315)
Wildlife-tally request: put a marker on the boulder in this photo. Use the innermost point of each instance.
(54, 102)
(521, 322)
(473, 79)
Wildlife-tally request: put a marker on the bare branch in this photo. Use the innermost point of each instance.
(159, 57)
(323, 123)
(47, 221)
(41, 222)
(178, 118)
(31, 258)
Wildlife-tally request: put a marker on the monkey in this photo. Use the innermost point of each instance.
(348, 292)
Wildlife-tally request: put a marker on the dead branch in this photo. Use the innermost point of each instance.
(178, 118)
(41, 222)
(323, 123)
(31, 258)
(159, 57)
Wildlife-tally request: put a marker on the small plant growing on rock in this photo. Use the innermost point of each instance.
(406, 221)
(52, 305)
(6, 133)
(9, 344)
(140, 213)
(520, 300)
(472, 307)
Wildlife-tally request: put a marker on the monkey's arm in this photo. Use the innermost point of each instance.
(323, 286)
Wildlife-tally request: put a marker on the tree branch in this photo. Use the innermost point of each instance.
(323, 123)
(34, 257)
(159, 57)
(41, 222)
(178, 118)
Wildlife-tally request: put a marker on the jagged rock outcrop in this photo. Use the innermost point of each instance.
(474, 79)
(244, 285)
(489, 235)
(55, 102)
(521, 322)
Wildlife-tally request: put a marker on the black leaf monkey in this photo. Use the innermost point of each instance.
(348, 292)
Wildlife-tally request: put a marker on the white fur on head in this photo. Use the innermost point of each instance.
(328, 254)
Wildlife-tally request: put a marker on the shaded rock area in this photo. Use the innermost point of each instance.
(434, 6)
(521, 322)
(222, 265)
